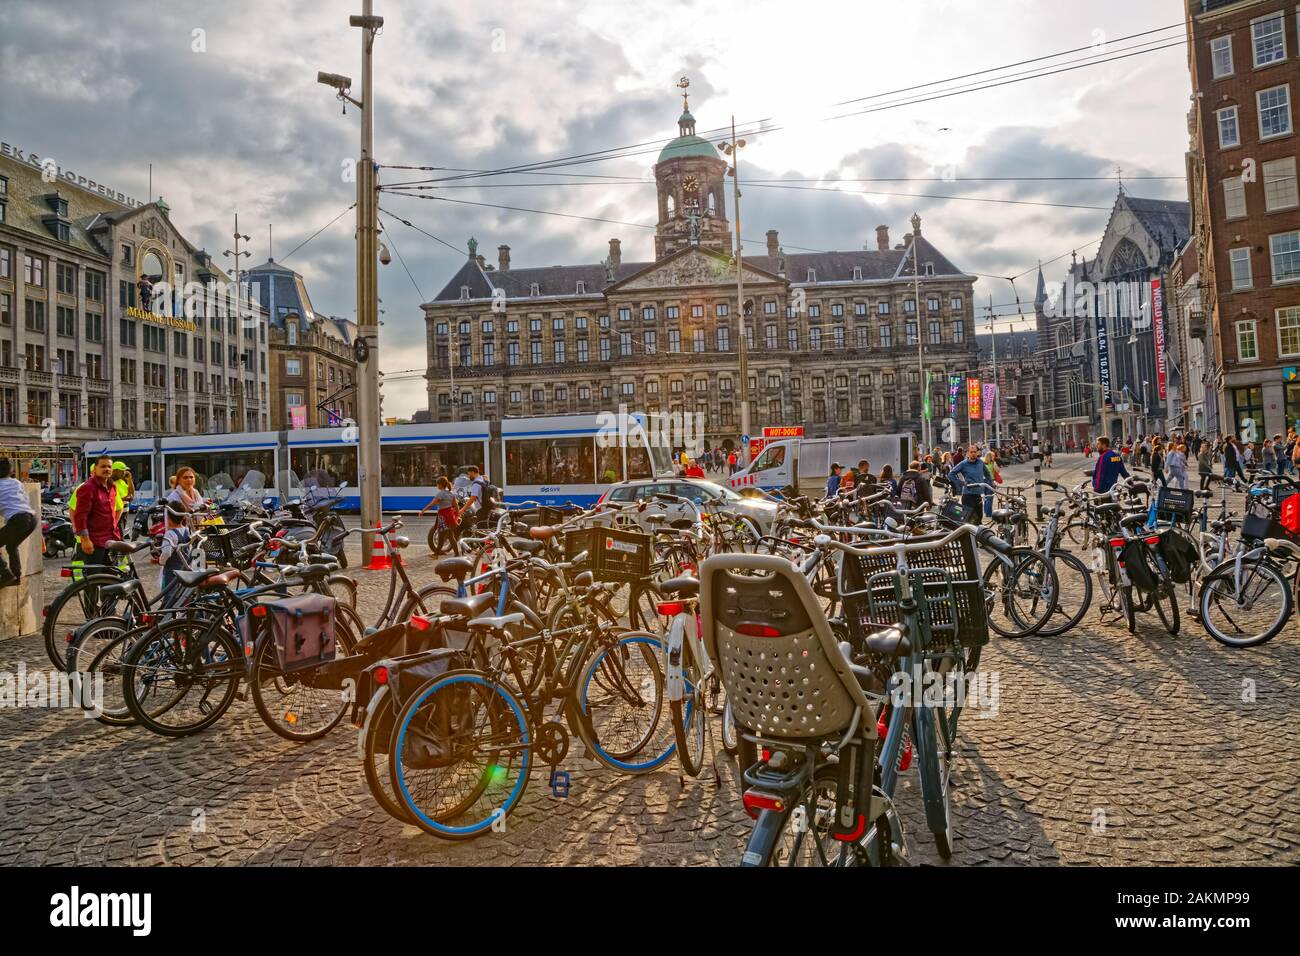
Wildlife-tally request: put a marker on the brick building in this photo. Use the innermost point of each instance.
(1246, 210)
(833, 337)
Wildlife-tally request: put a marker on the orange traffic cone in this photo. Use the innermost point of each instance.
(379, 559)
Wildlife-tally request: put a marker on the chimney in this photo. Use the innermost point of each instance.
(773, 245)
(503, 258)
(882, 238)
(615, 252)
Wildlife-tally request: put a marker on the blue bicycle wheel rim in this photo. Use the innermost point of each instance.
(613, 761)
(524, 769)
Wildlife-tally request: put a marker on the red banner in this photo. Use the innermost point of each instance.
(973, 397)
(783, 431)
(1158, 331)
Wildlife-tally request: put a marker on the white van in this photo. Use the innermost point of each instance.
(806, 462)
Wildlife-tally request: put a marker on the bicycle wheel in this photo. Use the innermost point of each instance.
(104, 671)
(1073, 594)
(619, 712)
(291, 704)
(801, 835)
(1245, 612)
(181, 677)
(377, 740)
(342, 589)
(690, 716)
(1166, 601)
(1126, 605)
(730, 738)
(933, 760)
(461, 755)
(79, 603)
(1019, 593)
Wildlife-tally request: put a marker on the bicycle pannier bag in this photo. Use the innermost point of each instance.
(1139, 565)
(1179, 554)
(303, 630)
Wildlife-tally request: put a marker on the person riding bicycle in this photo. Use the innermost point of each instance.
(1110, 467)
(444, 503)
(971, 472)
(479, 503)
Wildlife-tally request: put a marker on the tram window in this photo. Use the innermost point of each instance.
(325, 467)
(419, 466)
(232, 465)
(638, 457)
(609, 464)
(550, 461)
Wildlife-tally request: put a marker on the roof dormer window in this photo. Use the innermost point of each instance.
(857, 273)
(812, 275)
(929, 268)
(464, 292)
(534, 289)
(582, 287)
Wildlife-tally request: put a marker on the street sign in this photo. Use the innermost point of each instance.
(783, 431)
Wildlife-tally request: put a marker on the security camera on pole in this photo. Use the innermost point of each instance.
(367, 343)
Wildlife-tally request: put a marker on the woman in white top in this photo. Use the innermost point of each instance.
(19, 520)
(185, 493)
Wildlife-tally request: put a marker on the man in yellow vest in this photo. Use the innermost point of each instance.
(124, 491)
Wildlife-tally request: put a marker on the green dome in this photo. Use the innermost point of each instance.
(688, 146)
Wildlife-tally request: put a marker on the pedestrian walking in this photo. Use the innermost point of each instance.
(1205, 465)
(1176, 466)
(94, 520)
(20, 522)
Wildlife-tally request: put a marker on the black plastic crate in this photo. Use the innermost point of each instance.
(612, 553)
(540, 516)
(1176, 502)
(951, 598)
(1257, 527)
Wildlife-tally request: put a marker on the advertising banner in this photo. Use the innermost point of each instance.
(1158, 331)
(990, 399)
(973, 397)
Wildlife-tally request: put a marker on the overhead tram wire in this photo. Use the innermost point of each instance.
(870, 192)
(755, 128)
(631, 181)
(319, 231)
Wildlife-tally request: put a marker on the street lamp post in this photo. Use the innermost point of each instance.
(240, 410)
(733, 149)
(920, 341)
(367, 272)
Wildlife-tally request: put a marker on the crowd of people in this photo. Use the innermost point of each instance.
(1172, 459)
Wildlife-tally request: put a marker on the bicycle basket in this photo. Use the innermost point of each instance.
(1257, 527)
(613, 554)
(221, 546)
(950, 598)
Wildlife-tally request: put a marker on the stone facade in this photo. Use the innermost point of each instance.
(833, 336)
(1246, 219)
(79, 358)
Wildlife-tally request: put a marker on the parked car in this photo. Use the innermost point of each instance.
(759, 512)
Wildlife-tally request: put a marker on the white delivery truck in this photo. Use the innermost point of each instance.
(806, 462)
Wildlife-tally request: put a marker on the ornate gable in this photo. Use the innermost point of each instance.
(691, 267)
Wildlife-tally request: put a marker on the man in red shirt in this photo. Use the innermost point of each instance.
(93, 520)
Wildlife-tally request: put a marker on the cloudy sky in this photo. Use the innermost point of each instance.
(222, 99)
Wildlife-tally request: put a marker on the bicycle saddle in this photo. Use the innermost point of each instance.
(685, 586)
(1003, 514)
(525, 545)
(457, 568)
(128, 586)
(1133, 521)
(312, 572)
(543, 532)
(467, 607)
(891, 643)
(125, 547)
(495, 623)
(207, 577)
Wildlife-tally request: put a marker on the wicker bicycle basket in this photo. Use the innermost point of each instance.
(945, 582)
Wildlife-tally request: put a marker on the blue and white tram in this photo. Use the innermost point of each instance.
(551, 460)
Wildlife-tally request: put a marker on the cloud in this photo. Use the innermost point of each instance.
(244, 128)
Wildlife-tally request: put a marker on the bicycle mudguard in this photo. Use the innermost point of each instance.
(853, 799)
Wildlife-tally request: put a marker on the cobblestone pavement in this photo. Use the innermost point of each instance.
(1106, 748)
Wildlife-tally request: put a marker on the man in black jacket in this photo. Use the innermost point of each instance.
(914, 487)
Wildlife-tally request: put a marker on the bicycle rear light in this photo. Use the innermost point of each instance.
(757, 630)
(756, 801)
(381, 675)
(670, 608)
(419, 623)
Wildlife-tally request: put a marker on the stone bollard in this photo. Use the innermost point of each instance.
(20, 606)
